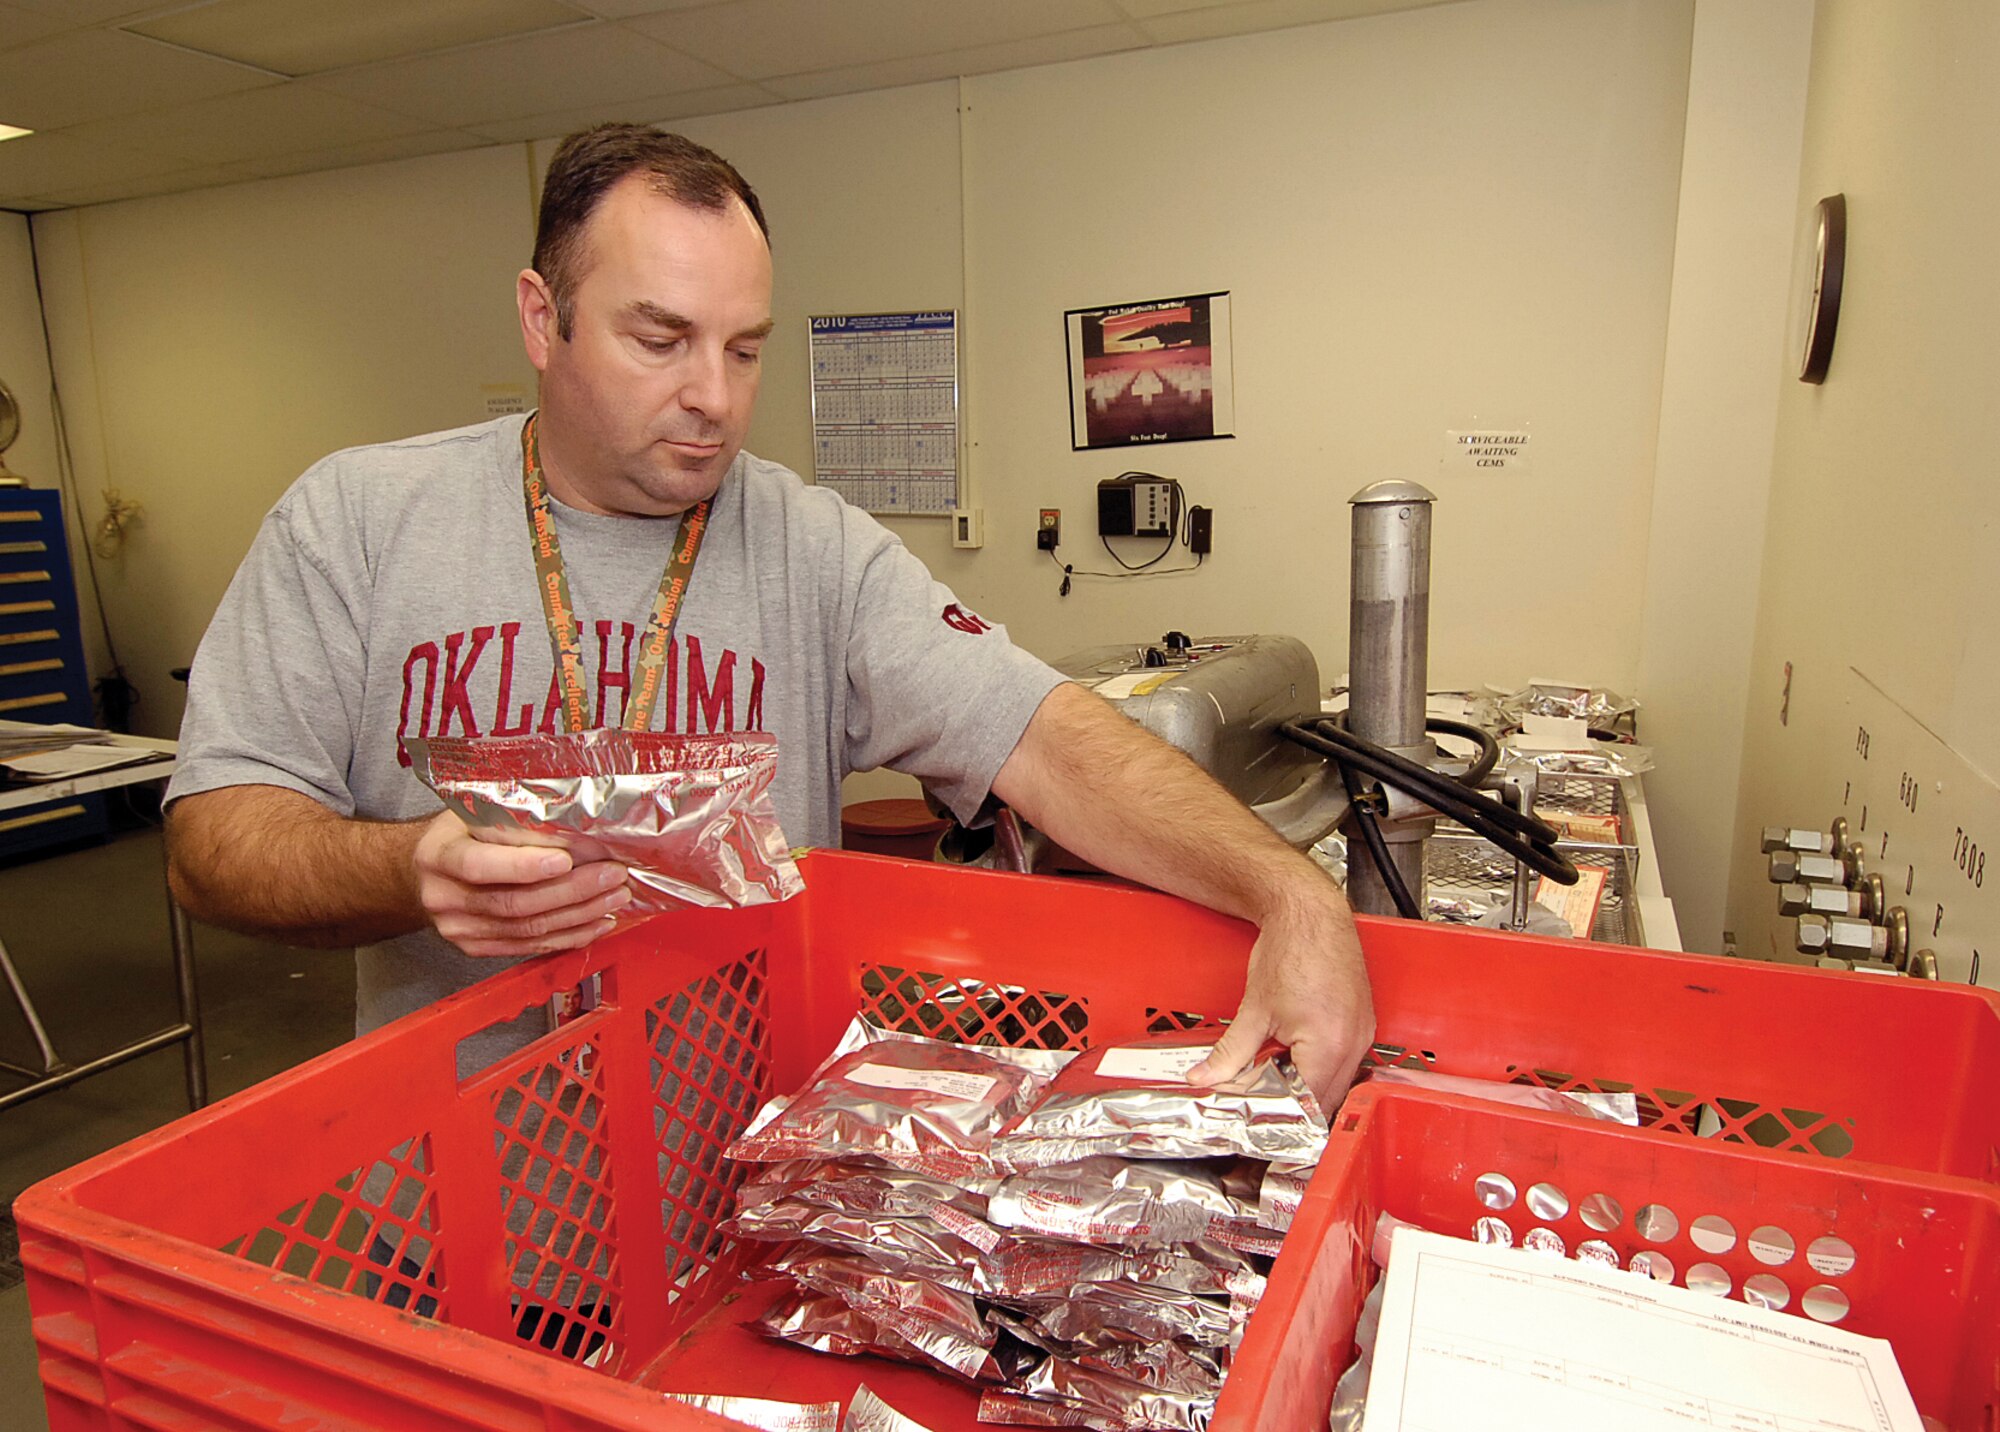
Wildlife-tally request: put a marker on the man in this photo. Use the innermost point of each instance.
(394, 591)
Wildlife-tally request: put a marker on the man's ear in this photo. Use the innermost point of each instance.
(538, 317)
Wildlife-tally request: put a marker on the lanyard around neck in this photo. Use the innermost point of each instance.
(553, 584)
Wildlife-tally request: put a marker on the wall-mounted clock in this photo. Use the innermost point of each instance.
(1823, 303)
(10, 428)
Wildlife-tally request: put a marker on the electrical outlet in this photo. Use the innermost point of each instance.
(1048, 534)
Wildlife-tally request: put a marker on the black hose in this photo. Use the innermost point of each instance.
(1527, 839)
(1378, 848)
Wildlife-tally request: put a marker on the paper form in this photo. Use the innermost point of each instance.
(1540, 1344)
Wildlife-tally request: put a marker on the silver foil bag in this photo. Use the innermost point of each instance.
(1101, 1313)
(866, 1412)
(764, 1414)
(942, 1324)
(1280, 1192)
(1175, 1366)
(902, 1243)
(1092, 1397)
(689, 816)
(779, 1207)
(1134, 1101)
(1125, 1202)
(921, 1105)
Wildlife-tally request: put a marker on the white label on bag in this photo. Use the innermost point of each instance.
(1151, 1063)
(950, 1082)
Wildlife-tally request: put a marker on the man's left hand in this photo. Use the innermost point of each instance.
(1307, 989)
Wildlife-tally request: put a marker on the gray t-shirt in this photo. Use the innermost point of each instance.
(391, 593)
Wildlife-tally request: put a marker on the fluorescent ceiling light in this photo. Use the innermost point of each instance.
(8, 131)
(309, 37)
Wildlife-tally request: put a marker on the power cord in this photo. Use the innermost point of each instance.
(1178, 529)
(1527, 839)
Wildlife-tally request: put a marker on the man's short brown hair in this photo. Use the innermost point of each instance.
(590, 162)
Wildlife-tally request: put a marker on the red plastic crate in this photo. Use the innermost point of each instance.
(215, 1273)
(1922, 1264)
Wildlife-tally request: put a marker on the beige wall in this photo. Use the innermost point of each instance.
(1425, 217)
(1885, 517)
(1726, 351)
(1464, 213)
(212, 345)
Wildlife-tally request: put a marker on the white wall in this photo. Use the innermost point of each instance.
(1423, 218)
(212, 345)
(24, 366)
(1462, 211)
(1885, 516)
(1725, 360)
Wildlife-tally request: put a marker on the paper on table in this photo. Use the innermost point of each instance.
(1539, 1344)
(34, 735)
(73, 761)
(1551, 733)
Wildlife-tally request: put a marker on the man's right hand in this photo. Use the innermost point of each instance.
(497, 900)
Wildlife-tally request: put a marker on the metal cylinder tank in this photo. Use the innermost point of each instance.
(1388, 660)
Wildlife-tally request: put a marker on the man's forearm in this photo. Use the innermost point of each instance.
(269, 861)
(1128, 802)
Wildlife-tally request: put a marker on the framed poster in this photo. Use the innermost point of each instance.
(1152, 372)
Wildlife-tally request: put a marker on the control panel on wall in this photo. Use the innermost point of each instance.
(1898, 873)
(1132, 506)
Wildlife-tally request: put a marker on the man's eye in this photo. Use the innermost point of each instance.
(659, 345)
(746, 355)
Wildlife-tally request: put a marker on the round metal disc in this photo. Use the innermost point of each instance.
(1657, 1223)
(1830, 1257)
(1494, 1231)
(1824, 1304)
(1494, 1191)
(1712, 1233)
(1657, 1266)
(1707, 1278)
(1771, 1246)
(1544, 1240)
(1765, 1291)
(1600, 1212)
(1547, 1202)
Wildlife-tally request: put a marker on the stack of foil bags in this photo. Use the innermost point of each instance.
(1083, 1236)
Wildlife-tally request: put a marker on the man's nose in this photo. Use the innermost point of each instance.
(706, 389)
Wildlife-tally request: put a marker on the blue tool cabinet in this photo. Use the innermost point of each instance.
(42, 675)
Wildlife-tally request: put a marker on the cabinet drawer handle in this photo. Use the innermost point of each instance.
(22, 549)
(20, 517)
(15, 609)
(16, 578)
(22, 638)
(40, 817)
(22, 668)
(22, 703)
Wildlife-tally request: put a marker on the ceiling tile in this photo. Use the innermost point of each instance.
(758, 39)
(306, 37)
(378, 151)
(87, 12)
(1250, 16)
(657, 110)
(95, 74)
(180, 181)
(1049, 50)
(48, 163)
(539, 74)
(280, 119)
(19, 27)
(1145, 9)
(625, 9)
